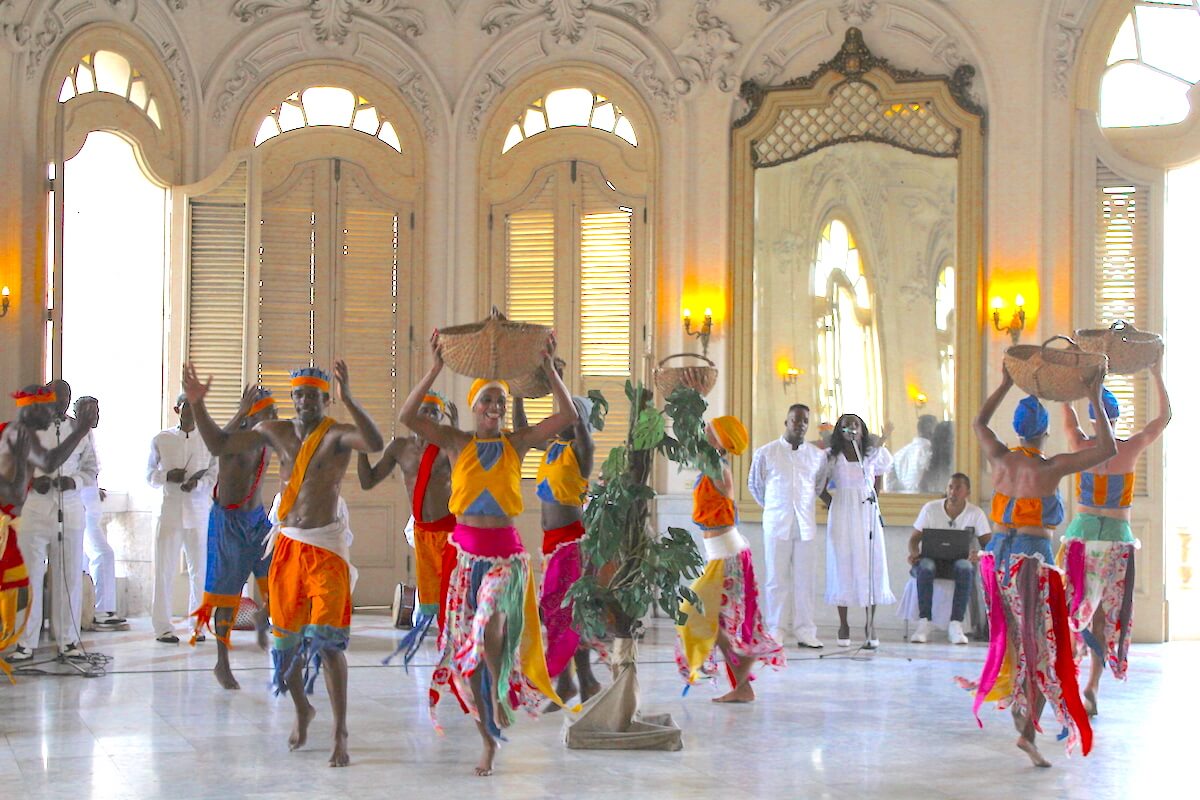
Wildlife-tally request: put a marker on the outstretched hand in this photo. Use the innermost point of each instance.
(193, 389)
(548, 353)
(341, 381)
(435, 346)
(247, 402)
(1006, 379)
(87, 414)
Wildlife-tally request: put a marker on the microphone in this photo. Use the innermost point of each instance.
(848, 431)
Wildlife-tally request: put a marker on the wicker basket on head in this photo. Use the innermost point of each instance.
(496, 348)
(668, 379)
(1052, 373)
(1128, 349)
(535, 384)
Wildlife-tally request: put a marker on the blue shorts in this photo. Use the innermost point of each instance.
(236, 540)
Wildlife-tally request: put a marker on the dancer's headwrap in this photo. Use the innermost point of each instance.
(484, 383)
(262, 401)
(1030, 420)
(732, 434)
(435, 398)
(1112, 409)
(583, 406)
(40, 396)
(311, 376)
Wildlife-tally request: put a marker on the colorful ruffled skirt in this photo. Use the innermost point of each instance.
(728, 594)
(1100, 574)
(13, 578)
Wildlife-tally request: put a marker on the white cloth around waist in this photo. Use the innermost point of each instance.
(336, 537)
(727, 545)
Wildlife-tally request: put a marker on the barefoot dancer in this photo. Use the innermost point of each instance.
(426, 471)
(732, 619)
(492, 657)
(562, 482)
(1029, 659)
(237, 535)
(1098, 546)
(311, 578)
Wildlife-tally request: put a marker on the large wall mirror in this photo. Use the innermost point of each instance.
(857, 255)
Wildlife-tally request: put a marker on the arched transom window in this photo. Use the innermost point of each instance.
(106, 71)
(329, 106)
(564, 108)
(1153, 63)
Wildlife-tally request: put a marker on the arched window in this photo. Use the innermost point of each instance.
(106, 71)
(575, 107)
(327, 105)
(943, 310)
(847, 339)
(1153, 64)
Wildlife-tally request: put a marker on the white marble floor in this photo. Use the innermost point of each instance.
(894, 724)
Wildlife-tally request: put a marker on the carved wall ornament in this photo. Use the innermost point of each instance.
(332, 19)
(413, 89)
(1066, 42)
(707, 52)
(856, 12)
(33, 41)
(663, 95)
(174, 64)
(243, 75)
(490, 86)
(567, 18)
(775, 5)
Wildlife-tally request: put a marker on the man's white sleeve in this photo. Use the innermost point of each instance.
(756, 482)
(156, 473)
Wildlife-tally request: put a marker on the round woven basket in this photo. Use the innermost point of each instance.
(1052, 373)
(495, 349)
(1128, 349)
(535, 384)
(668, 379)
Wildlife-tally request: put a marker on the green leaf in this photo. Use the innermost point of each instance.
(650, 428)
(599, 409)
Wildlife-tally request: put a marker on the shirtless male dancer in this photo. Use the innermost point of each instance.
(237, 535)
(310, 583)
(426, 471)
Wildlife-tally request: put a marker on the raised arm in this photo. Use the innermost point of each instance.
(218, 441)
(585, 445)
(1155, 427)
(18, 439)
(365, 436)
(1076, 438)
(520, 420)
(369, 477)
(53, 458)
(444, 436)
(564, 408)
(993, 448)
(1104, 446)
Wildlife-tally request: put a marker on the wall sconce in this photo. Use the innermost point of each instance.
(705, 330)
(1016, 324)
(920, 399)
(4, 301)
(790, 377)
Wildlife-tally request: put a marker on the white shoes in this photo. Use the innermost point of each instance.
(811, 642)
(954, 633)
(921, 634)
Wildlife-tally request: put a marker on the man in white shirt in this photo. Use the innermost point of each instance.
(182, 467)
(50, 544)
(911, 461)
(785, 477)
(953, 511)
(101, 561)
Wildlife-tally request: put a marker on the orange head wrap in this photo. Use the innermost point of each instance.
(732, 434)
(40, 396)
(483, 383)
(433, 398)
(265, 400)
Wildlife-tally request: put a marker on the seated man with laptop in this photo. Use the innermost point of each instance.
(945, 543)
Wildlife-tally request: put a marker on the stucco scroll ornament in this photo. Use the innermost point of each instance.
(173, 61)
(242, 75)
(664, 95)
(1066, 41)
(856, 12)
(567, 18)
(413, 88)
(34, 43)
(332, 19)
(708, 50)
(775, 5)
(490, 86)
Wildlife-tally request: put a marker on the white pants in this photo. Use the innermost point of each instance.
(791, 587)
(101, 560)
(169, 539)
(37, 539)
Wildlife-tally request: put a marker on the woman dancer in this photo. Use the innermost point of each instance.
(731, 619)
(1098, 546)
(492, 657)
(855, 566)
(1029, 658)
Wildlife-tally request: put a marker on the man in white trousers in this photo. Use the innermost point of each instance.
(785, 477)
(182, 467)
(101, 561)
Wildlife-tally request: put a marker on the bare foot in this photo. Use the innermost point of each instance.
(1089, 702)
(262, 625)
(589, 690)
(340, 757)
(484, 768)
(300, 731)
(225, 676)
(742, 694)
(1030, 749)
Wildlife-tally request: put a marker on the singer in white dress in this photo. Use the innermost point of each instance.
(855, 564)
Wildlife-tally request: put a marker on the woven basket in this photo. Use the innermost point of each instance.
(1128, 349)
(668, 379)
(535, 384)
(495, 349)
(1054, 374)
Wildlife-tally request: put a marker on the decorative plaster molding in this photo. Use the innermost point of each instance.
(856, 12)
(1066, 43)
(663, 95)
(332, 19)
(174, 63)
(413, 89)
(775, 5)
(33, 41)
(491, 85)
(243, 74)
(568, 18)
(708, 50)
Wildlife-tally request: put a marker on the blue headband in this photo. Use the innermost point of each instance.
(1030, 420)
(1112, 409)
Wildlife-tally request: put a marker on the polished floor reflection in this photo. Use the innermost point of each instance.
(893, 724)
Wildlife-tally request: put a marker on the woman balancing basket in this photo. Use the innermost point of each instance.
(495, 349)
(700, 377)
(1128, 349)
(1051, 373)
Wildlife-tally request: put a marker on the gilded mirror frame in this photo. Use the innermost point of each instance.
(958, 133)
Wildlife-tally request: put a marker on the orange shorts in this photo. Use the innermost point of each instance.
(309, 587)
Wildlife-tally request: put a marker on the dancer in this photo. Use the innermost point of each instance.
(856, 572)
(1029, 659)
(492, 655)
(731, 619)
(426, 471)
(101, 561)
(562, 483)
(311, 578)
(237, 536)
(1098, 547)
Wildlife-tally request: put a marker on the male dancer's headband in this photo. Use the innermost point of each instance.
(484, 383)
(37, 397)
(264, 401)
(311, 376)
(433, 398)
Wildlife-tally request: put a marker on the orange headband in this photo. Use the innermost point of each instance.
(38, 397)
(266, 402)
(311, 380)
(437, 401)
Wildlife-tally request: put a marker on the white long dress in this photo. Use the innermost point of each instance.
(852, 576)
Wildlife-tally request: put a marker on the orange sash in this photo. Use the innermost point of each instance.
(290, 492)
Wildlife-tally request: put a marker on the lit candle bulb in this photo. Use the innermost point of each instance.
(997, 303)
(687, 316)
(1020, 301)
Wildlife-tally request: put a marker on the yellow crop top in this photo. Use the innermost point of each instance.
(558, 477)
(486, 480)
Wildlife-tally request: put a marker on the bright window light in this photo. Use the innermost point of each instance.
(566, 107)
(109, 72)
(1169, 40)
(1134, 95)
(1125, 45)
(573, 107)
(112, 72)
(1152, 65)
(327, 105)
(330, 106)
